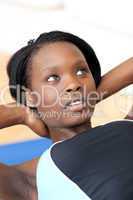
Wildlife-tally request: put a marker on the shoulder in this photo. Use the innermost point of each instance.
(119, 127)
(121, 123)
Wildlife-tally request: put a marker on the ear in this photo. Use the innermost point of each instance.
(31, 98)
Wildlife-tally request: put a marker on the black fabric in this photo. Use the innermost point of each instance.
(99, 160)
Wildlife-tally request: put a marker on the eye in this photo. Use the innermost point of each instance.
(52, 78)
(82, 71)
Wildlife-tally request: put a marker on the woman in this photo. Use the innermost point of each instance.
(71, 96)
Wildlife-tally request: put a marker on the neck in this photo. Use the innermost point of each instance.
(59, 134)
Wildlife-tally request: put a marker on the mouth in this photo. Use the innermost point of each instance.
(75, 105)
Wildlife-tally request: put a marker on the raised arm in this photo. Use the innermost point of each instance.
(118, 78)
(13, 114)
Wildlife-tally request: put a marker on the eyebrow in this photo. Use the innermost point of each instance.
(57, 66)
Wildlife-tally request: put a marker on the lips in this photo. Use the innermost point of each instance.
(75, 105)
(74, 101)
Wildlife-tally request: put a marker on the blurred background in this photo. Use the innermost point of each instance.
(106, 25)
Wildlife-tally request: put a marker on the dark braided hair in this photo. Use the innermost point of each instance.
(18, 66)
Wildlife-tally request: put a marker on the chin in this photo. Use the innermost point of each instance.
(77, 118)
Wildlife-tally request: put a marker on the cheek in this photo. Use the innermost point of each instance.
(92, 95)
(48, 106)
(48, 97)
(92, 83)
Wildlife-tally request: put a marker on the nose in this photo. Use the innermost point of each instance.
(73, 85)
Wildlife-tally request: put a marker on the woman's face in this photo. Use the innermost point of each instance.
(62, 84)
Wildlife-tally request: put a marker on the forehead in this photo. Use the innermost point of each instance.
(57, 53)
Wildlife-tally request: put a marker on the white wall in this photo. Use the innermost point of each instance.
(106, 25)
